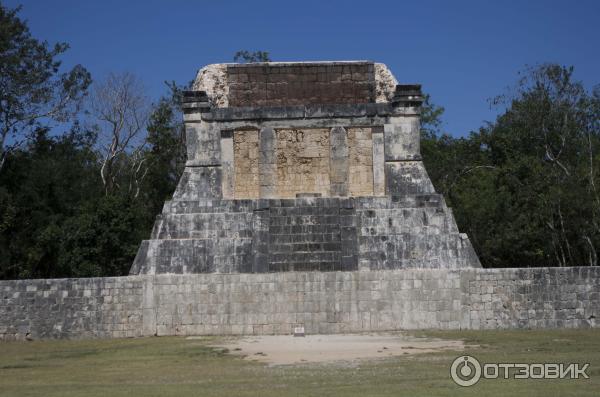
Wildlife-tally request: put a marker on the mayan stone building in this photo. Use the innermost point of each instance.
(304, 203)
(303, 166)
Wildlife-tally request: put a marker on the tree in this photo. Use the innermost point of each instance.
(42, 185)
(166, 155)
(102, 237)
(245, 56)
(31, 88)
(525, 187)
(121, 109)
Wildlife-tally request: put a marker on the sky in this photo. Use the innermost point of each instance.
(462, 52)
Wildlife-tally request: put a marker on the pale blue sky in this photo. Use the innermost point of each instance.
(463, 52)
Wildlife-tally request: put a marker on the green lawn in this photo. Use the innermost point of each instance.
(178, 367)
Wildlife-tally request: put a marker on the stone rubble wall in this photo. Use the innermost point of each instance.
(322, 302)
(284, 84)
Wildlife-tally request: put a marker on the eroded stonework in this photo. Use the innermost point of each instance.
(245, 162)
(306, 166)
(321, 302)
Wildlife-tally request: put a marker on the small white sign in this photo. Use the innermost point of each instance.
(299, 331)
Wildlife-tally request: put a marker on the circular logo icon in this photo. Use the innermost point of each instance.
(465, 371)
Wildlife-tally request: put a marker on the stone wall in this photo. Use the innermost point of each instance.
(284, 84)
(360, 162)
(323, 302)
(71, 308)
(302, 162)
(246, 164)
(307, 160)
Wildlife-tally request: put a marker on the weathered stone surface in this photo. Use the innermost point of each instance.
(378, 162)
(203, 145)
(405, 178)
(212, 79)
(311, 207)
(71, 308)
(279, 83)
(303, 162)
(360, 162)
(310, 233)
(322, 302)
(385, 83)
(338, 161)
(198, 183)
(282, 84)
(246, 164)
(402, 139)
(228, 165)
(267, 169)
(280, 133)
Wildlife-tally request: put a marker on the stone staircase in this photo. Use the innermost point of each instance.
(304, 234)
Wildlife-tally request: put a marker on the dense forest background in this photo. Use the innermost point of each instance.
(85, 166)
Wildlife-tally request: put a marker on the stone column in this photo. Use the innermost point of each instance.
(148, 306)
(201, 177)
(267, 164)
(378, 162)
(203, 142)
(338, 161)
(227, 164)
(404, 170)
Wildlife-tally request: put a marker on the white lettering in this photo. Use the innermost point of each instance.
(524, 374)
(552, 371)
(581, 371)
(536, 371)
(505, 368)
(490, 375)
(569, 370)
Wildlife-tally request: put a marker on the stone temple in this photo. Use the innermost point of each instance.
(304, 203)
(303, 166)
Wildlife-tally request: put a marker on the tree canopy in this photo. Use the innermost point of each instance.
(525, 187)
(32, 88)
(246, 56)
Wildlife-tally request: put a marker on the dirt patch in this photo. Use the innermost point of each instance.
(287, 349)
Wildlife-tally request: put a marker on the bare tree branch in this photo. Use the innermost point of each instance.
(122, 109)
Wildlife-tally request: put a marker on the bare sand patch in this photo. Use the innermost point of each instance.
(287, 349)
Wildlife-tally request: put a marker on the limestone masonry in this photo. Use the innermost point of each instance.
(323, 302)
(304, 202)
(306, 166)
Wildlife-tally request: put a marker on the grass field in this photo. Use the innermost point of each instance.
(176, 366)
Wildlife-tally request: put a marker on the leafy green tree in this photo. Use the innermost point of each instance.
(245, 56)
(41, 185)
(32, 89)
(165, 158)
(102, 238)
(525, 187)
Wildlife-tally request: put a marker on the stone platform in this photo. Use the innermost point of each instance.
(322, 302)
(325, 234)
(303, 166)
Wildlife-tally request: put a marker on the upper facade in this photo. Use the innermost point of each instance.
(303, 166)
(323, 130)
